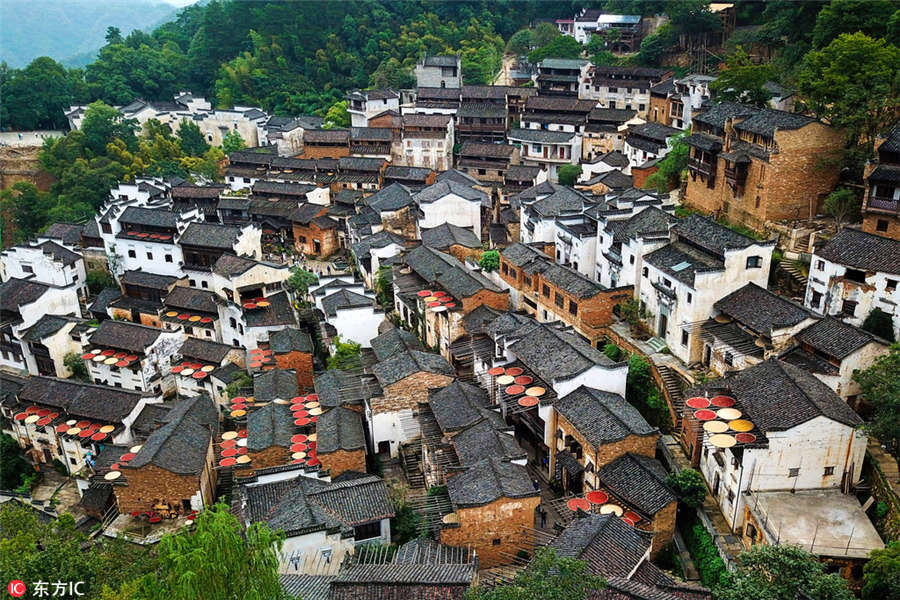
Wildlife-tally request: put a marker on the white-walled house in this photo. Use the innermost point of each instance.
(803, 437)
(353, 315)
(365, 104)
(647, 142)
(46, 262)
(541, 205)
(451, 202)
(46, 344)
(853, 274)
(374, 251)
(624, 236)
(680, 282)
(576, 243)
(547, 149)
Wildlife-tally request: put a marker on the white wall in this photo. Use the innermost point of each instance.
(452, 209)
(357, 324)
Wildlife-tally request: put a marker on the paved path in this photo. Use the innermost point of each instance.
(887, 464)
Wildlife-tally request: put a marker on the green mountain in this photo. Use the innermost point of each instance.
(71, 31)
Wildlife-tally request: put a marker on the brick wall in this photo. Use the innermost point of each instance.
(507, 521)
(343, 460)
(870, 224)
(401, 222)
(149, 485)
(273, 456)
(302, 363)
(641, 175)
(663, 528)
(313, 151)
(462, 253)
(659, 110)
(496, 300)
(409, 391)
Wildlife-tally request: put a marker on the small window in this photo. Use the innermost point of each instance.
(132, 254)
(881, 225)
(816, 298)
(573, 308)
(168, 258)
(820, 265)
(232, 322)
(754, 262)
(631, 259)
(644, 272)
(560, 300)
(728, 359)
(495, 541)
(795, 472)
(27, 269)
(685, 336)
(690, 297)
(149, 256)
(545, 290)
(504, 268)
(204, 284)
(848, 308)
(890, 285)
(829, 471)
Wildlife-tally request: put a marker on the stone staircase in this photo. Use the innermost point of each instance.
(673, 392)
(410, 457)
(657, 344)
(790, 267)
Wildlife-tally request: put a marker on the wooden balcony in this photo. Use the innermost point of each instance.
(882, 203)
(735, 176)
(702, 168)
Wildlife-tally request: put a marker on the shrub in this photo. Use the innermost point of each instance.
(612, 352)
(689, 485)
(490, 261)
(705, 554)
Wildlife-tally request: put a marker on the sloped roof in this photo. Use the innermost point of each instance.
(555, 354)
(290, 339)
(343, 299)
(402, 364)
(761, 310)
(602, 417)
(156, 217)
(210, 235)
(394, 340)
(124, 335)
(836, 338)
(181, 445)
(18, 292)
(448, 272)
(443, 188)
(488, 480)
(639, 481)
(446, 235)
(390, 198)
(860, 250)
(89, 401)
(275, 384)
(271, 425)
(340, 429)
(609, 545)
(458, 405)
(205, 350)
(192, 299)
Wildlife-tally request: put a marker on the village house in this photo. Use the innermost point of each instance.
(350, 390)
(613, 161)
(376, 251)
(519, 178)
(250, 322)
(54, 402)
(547, 149)
(540, 206)
(487, 162)
(393, 209)
(365, 104)
(45, 262)
(625, 88)
(415, 178)
(238, 278)
(427, 142)
(142, 297)
(187, 195)
(217, 363)
(560, 76)
(355, 173)
(593, 21)
(681, 281)
(751, 325)
(673, 102)
(853, 274)
(173, 473)
(286, 133)
(145, 351)
(605, 131)
(203, 243)
(145, 238)
(245, 167)
(645, 143)
(270, 427)
(318, 517)
(63, 233)
(341, 441)
(482, 115)
(626, 235)
(293, 170)
(575, 243)
(315, 233)
(294, 349)
(195, 311)
(326, 143)
(450, 202)
(833, 351)
(459, 242)
(881, 203)
(371, 142)
(758, 165)
(796, 437)
(435, 101)
(47, 343)
(24, 303)
(494, 504)
(405, 376)
(552, 292)
(355, 317)
(439, 71)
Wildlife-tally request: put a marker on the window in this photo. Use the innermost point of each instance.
(204, 284)
(690, 297)
(573, 307)
(855, 275)
(644, 272)
(560, 300)
(246, 180)
(685, 336)
(754, 262)
(107, 228)
(829, 471)
(168, 258)
(666, 282)
(848, 308)
(641, 107)
(795, 472)
(232, 322)
(149, 256)
(890, 285)
(192, 282)
(27, 269)
(504, 268)
(481, 171)
(545, 290)
(881, 225)
(132, 254)
(728, 359)
(631, 259)
(820, 265)
(495, 541)
(816, 298)
(367, 531)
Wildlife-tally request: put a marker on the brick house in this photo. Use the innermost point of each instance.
(881, 203)
(222, 357)
(341, 441)
(269, 431)
(459, 242)
(624, 88)
(405, 377)
(494, 504)
(371, 142)
(757, 165)
(315, 233)
(415, 178)
(604, 131)
(395, 207)
(293, 349)
(175, 466)
(326, 143)
(335, 387)
(142, 296)
(487, 162)
(552, 292)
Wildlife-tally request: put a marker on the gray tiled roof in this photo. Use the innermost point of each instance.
(308, 587)
(271, 425)
(651, 220)
(458, 405)
(679, 254)
(542, 136)
(68, 233)
(275, 384)
(340, 429)
(18, 292)
(210, 235)
(150, 280)
(836, 338)
(394, 340)
(279, 312)
(706, 233)
(655, 131)
(562, 199)
(44, 327)
(608, 544)
(403, 364)
(602, 417)
(290, 339)
(376, 240)
(89, 401)
(229, 265)
(555, 354)
(521, 173)
(485, 439)
(124, 335)
(60, 253)
(458, 176)
(446, 235)
(156, 217)
(182, 444)
(859, 250)
(761, 310)
(767, 121)
(192, 299)
(343, 299)
(391, 198)
(777, 396)
(639, 481)
(441, 189)
(718, 114)
(336, 388)
(205, 350)
(448, 272)
(488, 480)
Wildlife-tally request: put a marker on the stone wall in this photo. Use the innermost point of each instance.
(343, 460)
(149, 485)
(302, 363)
(663, 528)
(408, 392)
(496, 531)
(314, 151)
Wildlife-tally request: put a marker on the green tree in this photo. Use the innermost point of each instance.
(563, 46)
(655, 45)
(612, 352)
(642, 393)
(568, 174)
(392, 74)
(13, 468)
(407, 523)
(192, 140)
(346, 355)
(689, 485)
(489, 261)
(521, 42)
(740, 80)
(693, 17)
(37, 96)
(219, 559)
(548, 577)
(671, 167)
(27, 208)
(871, 17)
(98, 280)
(880, 323)
(300, 280)
(337, 115)
(880, 386)
(384, 288)
(844, 205)
(881, 579)
(544, 33)
(75, 364)
(854, 83)
(102, 124)
(232, 142)
(778, 573)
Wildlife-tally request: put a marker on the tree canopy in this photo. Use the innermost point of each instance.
(880, 387)
(882, 574)
(740, 80)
